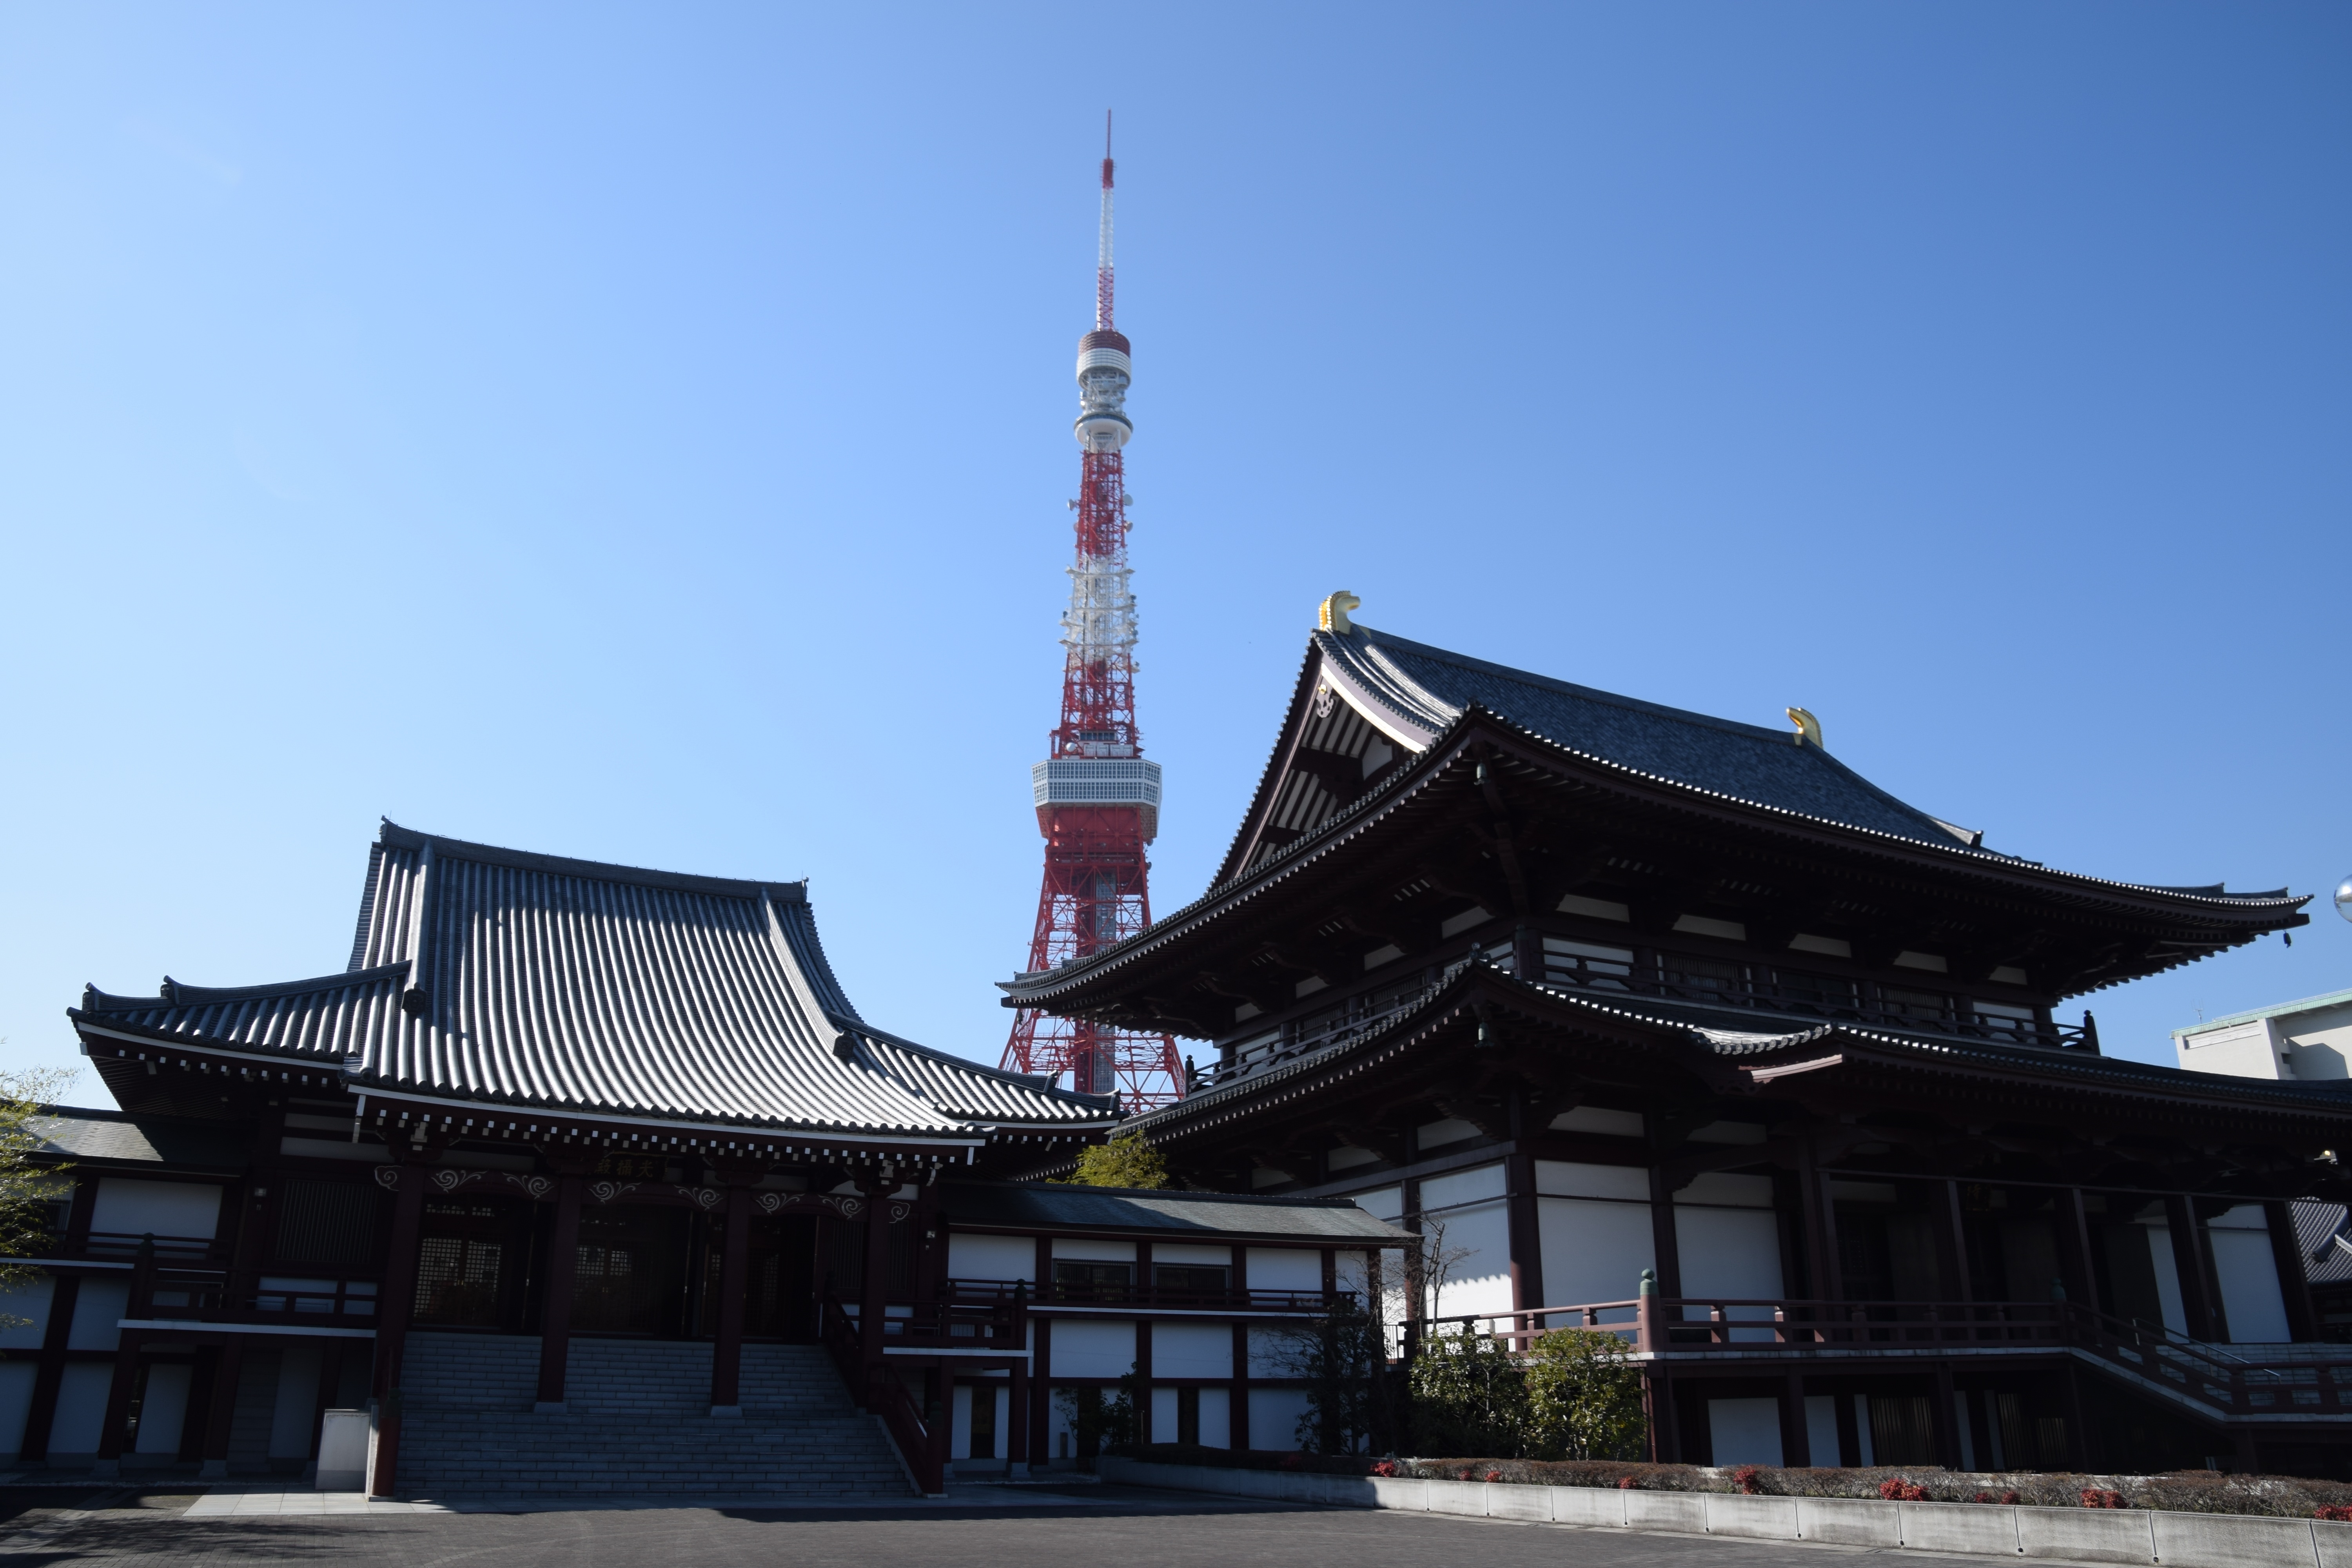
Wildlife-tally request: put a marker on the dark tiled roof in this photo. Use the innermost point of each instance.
(1054, 1205)
(115, 1137)
(1430, 688)
(560, 985)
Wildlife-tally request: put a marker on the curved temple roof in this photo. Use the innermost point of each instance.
(567, 986)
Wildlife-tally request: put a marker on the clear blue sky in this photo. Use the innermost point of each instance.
(642, 434)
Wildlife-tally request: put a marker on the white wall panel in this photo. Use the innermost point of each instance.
(1093, 1347)
(297, 1402)
(81, 1406)
(1567, 1179)
(30, 1300)
(163, 1408)
(1594, 1251)
(15, 1403)
(95, 1314)
(1273, 1351)
(133, 1207)
(1089, 1248)
(1744, 1431)
(1285, 1269)
(1473, 1186)
(1216, 1418)
(2251, 1298)
(1192, 1252)
(1274, 1414)
(1191, 1350)
(1000, 1258)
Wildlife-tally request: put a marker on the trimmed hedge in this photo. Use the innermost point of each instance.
(2178, 1492)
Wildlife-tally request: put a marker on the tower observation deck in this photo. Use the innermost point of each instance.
(1098, 797)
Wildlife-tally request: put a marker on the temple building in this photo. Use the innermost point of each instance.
(1644, 1018)
(584, 1178)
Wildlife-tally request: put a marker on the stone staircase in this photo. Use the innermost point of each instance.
(637, 1423)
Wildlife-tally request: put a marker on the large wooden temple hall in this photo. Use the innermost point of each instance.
(578, 1177)
(1599, 988)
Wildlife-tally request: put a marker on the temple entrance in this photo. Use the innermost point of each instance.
(780, 1298)
(630, 1271)
(473, 1263)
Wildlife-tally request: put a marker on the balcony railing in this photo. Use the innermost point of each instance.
(1141, 1297)
(2302, 1380)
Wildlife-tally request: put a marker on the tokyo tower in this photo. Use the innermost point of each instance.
(1097, 799)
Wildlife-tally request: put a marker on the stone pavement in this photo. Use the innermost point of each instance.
(982, 1528)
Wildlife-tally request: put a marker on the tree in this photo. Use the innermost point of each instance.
(1583, 1398)
(29, 1192)
(1469, 1396)
(1342, 1358)
(1124, 1162)
(1096, 1422)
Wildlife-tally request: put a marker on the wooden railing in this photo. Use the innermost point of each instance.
(922, 1444)
(2249, 1381)
(1164, 1298)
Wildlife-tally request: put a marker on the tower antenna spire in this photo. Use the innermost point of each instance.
(1097, 799)
(1102, 248)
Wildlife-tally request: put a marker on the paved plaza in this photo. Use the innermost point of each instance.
(984, 1528)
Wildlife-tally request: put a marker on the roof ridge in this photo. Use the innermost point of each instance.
(393, 834)
(178, 994)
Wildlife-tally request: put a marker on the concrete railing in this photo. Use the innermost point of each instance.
(2066, 1535)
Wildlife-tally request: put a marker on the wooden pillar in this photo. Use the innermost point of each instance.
(1525, 1232)
(118, 1405)
(1948, 1418)
(874, 1301)
(555, 1302)
(1658, 1398)
(1951, 1240)
(2295, 1284)
(942, 1419)
(1239, 1435)
(2071, 1220)
(1016, 1412)
(395, 1304)
(2082, 1452)
(1041, 1393)
(734, 1265)
(2189, 1263)
(1662, 1241)
(1796, 1436)
(1849, 1425)
(220, 1415)
(1823, 1277)
(65, 1295)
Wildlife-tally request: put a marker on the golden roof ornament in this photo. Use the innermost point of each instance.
(1332, 614)
(1808, 727)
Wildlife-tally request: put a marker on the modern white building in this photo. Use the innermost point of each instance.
(2309, 1040)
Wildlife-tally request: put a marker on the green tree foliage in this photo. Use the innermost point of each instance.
(1098, 1423)
(29, 1192)
(1469, 1396)
(1583, 1398)
(1352, 1389)
(1128, 1161)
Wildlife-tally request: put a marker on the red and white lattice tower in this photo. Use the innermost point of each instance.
(1097, 798)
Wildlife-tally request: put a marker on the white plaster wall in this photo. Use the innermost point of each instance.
(98, 1312)
(1457, 1188)
(163, 1409)
(1480, 1280)
(1092, 1249)
(1093, 1347)
(997, 1258)
(1216, 1418)
(81, 1406)
(1273, 1351)
(2248, 1270)
(1746, 1431)
(1274, 1415)
(1191, 1350)
(162, 1208)
(1729, 1253)
(1192, 1252)
(1820, 1428)
(30, 1300)
(1567, 1179)
(2167, 1278)
(1284, 1268)
(1163, 1405)
(15, 1403)
(1594, 1251)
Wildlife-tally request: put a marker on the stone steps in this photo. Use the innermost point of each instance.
(637, 1421)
